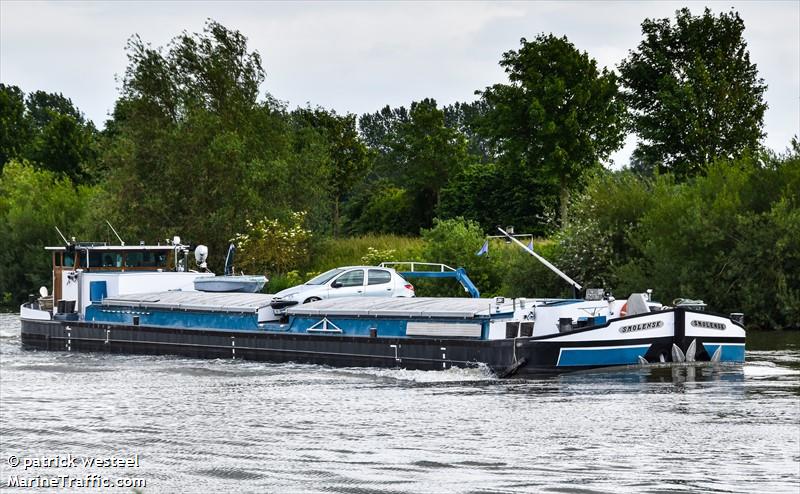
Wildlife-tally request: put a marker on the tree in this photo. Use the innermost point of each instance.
(348, 156)
(490, 195)
(15, 128)
(417, 152)
(47, 130)
(428, 153)
(194, 149)
(693, 93)
(43, 107)
(464, 117)
(32, 202)
(381, 207)
(64, 145)
(559, 115)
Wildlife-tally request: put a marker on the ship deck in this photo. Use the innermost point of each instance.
(460, 308)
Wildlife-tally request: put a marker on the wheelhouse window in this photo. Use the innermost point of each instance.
(145, 259)
(95, 259)
(352, 278)
(69, 260)
(105, 259)
(378, 277)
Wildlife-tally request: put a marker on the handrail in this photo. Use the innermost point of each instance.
(444, 271)
(442, 267)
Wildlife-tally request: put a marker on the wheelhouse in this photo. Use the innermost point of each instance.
(100, 257)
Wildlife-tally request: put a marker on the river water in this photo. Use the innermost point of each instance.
(233, 426)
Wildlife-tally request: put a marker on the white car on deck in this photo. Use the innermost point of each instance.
(350, 281)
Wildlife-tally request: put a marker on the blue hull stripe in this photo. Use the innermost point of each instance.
(731, 352)
(619, 355)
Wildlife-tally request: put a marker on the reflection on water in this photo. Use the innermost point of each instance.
(233, 426)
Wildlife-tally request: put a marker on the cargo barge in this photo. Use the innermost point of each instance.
(116, 310)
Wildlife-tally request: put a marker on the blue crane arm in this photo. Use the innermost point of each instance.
(459, 274)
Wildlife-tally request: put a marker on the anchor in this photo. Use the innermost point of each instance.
(679, 357)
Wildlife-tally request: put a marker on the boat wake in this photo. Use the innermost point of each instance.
(451, 375)
(768, 369)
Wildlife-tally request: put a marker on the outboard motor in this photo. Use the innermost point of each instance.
(200, 256)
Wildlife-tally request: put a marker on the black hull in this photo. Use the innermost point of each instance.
(506, 357)
(337, 351)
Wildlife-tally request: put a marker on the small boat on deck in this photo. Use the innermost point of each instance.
(230, 282)
(234, 283)
(522, 336)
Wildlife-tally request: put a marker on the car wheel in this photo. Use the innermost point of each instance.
(311, 299)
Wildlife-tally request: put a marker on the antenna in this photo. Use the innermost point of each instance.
(542, 260)
(62, 236)
(122, 242)
(229, 260)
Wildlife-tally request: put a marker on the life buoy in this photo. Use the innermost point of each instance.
(624, 310)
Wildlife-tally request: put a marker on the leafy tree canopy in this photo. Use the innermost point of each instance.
(15, 128)
(559, 115)
(194, 149)
(694, 96)
(47, 130)
(348, 154)
(418, 150)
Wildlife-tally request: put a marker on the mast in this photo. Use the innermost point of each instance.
(575, 285)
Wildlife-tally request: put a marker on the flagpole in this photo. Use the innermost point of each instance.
(543, 260)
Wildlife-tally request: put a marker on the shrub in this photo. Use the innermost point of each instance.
(730, 237)
(273, 246)
(32, 202)
(373, 257)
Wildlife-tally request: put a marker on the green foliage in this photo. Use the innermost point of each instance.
(491, 194)
(327, 253)
(15, 128)
(465, 118)
(64, 145)
(558, 117)
(597, 241)
(43, 107)
(730, 238)
(694, 95)
(32, 202)
(280, 282)
(374, 256)
(454, 242)
(348, 155)
(46, 130)
(273, 246)
(415, 154)
(428, 151)
(381, 208)
(524, 276)
(194, 150)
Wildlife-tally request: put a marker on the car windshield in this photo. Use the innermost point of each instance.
(324, 277)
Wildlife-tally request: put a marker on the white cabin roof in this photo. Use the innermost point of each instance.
(113, 247)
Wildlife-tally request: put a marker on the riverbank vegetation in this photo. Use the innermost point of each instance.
(196, 147)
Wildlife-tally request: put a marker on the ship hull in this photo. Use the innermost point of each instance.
(582, 349)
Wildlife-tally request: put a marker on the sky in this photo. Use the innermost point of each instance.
(357, 57)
